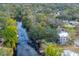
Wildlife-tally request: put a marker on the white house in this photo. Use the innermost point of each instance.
(63, 37)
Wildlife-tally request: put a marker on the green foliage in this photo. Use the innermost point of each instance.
(53, 50)
(25, 22)
(10, 36)
(38, 26)
(38, 32)
(6, 51)
(9, 32)
(71, 29)
(41, 17)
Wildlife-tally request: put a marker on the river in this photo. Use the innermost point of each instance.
(23, 49)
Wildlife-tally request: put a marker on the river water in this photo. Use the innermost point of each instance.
(23, 49)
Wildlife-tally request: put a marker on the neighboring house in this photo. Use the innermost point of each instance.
(63, 37)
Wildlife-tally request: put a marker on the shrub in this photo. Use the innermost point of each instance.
(53, 50)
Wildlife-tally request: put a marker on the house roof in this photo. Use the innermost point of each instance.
(63, 34)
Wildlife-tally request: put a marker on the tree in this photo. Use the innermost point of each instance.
(53, 50)
(10, 36)
(9, 33)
